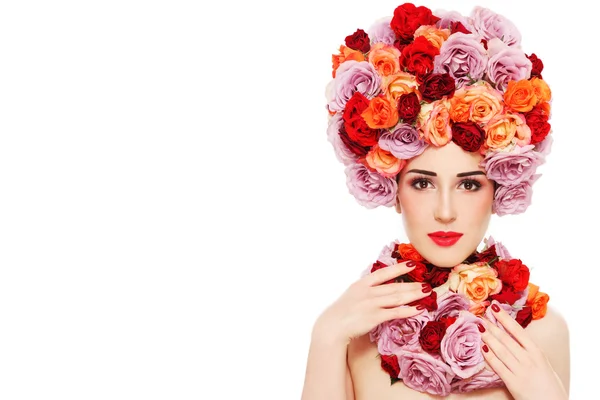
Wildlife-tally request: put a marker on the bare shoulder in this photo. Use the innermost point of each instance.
(551, 334)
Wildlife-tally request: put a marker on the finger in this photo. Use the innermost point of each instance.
(513, 327)
(400, 298)
(497, 365)
(385, 274)
(500, 344)
(397, 287)
(388, 314)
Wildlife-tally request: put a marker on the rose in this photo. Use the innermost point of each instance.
(541, 89)
(520, 96)
(524, 317)
(385, 255)
(417, 274)
(381, 113)
(403, 142)
(434, 122)
(461, 346)
(355, 125)
(484, 102)
(435, 35)
(342, 152)
(538, 301)
(468, 135)
(536, 65)
(344, 55)
(408, 107)
(436, 86)
(402, 333)
(384, 162)
(381, 32)
(353, 76)
(431, 336)
(507, 295)
(506, 64)
(463, 57)
(418, 56)
(479, 308)
(450, 304)
(500, 249)
(351, 145)
(451, 19)
(514, 273)
(429, 302)
(512, 167)
(544, 146)
(485, 256)
(490, 25)
(475, 281)
(359, 40)
(407, 18)
(389, 363)
(484, 379)
(503, 128)
(423, 372)
(399, 84)
(408, 251)
(537, 120)
(385, 59)
(370, 189)
(514, 199)
(437, 276)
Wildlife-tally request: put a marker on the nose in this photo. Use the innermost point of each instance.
(445, 211)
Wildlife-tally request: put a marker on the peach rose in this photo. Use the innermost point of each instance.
(502, 129)
(435, 36)
(381, 113)
(434, 122)
(398, 84)
(408, 252)
(475, 281)
(541, 89)
(538, 301)
(459, 108)
(346, 53)
(384, 162)
(484, 101)
(385, 59)
(520, 96)
(479, 308)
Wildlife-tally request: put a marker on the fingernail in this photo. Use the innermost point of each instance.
(426, 288)
(420, 307)
(411, 264)
(495, 307)
(485, 348)
(481, 328)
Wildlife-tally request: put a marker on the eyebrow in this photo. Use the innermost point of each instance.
(430, 173)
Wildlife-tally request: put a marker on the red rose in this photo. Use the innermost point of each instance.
(407, 18)
(400, 44)
(430, 302)
(357, 149)
(409, 107)
(536, 66)
(437, 276)
(359, 40)
(390, 365)
(436, 86)
(514, 273)
(457, 26)
(524, 316)
(485, 256)
(537, 120)
(379, 265)
(431, 336)
(417, 274)
(356, 127)
(468, 135)
(418, 57)
(507, 295)
(448, 320)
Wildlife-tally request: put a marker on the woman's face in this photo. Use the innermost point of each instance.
(445, 190)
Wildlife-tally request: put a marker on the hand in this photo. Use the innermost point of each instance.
(369, 302)
(522, 366)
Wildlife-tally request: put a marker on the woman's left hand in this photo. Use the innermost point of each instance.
(522, 366)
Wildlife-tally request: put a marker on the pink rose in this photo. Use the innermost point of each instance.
(506, 64)
(512, 167)
(399, 334)
(514, 199)
(490, 25)
(343, 154)
(370, 189)
(449, 305)
(423, 372)
(484, 379)
(463, 57)
(461, 346)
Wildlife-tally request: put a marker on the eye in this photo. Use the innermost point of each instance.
(420, 183)
(471, 185)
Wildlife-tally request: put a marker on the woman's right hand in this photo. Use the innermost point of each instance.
(369, 302)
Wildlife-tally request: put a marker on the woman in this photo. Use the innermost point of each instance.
(445, 118)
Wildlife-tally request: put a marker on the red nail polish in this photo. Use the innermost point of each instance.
(495, 307)
(481, 328)
(411, 264)
(426, 288)
(485, 348)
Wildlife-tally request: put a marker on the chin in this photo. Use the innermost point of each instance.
(446, 257)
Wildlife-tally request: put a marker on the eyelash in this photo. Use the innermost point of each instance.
(473, 182)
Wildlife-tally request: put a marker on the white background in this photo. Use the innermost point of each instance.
(173, 219)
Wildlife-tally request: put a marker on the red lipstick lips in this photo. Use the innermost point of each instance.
(445, 239)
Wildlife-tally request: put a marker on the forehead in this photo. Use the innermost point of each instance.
(447, 159)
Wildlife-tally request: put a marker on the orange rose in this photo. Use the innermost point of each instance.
(502, 129)
(384, 162)
(520, 96)
(398, 84)
(435, 36)
(538, 301)
(459, 108)
(541, 89)
(408, 252)
(346, 53)
(475, 281)
(381, 113)
(385, 59)
(484, 101)
(434, 122)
